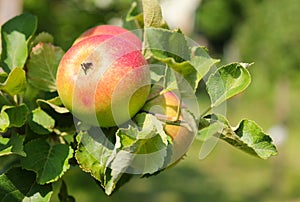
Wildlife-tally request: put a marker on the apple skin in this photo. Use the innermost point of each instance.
(110, 30)
(165, 108)
(103, 80)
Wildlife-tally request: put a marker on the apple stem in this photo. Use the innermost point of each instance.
(179, 109)
(166, 119)
(156, 96)
(163, 91)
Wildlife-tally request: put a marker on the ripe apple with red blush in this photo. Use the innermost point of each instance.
(113, 30)
(102, 79)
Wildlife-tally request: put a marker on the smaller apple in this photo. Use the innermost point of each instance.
(111, 30)
(165, 108)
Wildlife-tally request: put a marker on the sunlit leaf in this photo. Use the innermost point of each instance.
(170, 81)
(135, 151)
(17, 115)
(134, 15)
(227, 81)
(43, 37)
(16, 34)
(4, 121)
(54, 103)
(201, 61)
(172, 49)
(15, 82)
(161, 44)
(94, 149)
(42, 66)
(248, 136)
(40, 122)
(152, 14)
(138, 151)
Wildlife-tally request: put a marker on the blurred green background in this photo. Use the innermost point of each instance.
(260, 31)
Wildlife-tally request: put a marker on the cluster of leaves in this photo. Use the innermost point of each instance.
(40, 140)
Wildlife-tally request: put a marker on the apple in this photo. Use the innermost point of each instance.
(103, 80)
(110, 30)
(165, 108)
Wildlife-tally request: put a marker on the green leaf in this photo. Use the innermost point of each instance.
(172, 49)
(247, 136)
(136, 150)
(15, 82)
(17, 115)
(169, 80)
(142, 150)
(227, 81)
(19, 185)
(8, 162)
(201, 61)
(209, 131)
(64, 120)
(13, 116)
(4, 121)
(167, 46)
(32, 94)
(16, 34)
(12, 145)
(40, 122)
(152, 14)
(48, 161)
(42, 66)
(3, 76)
(94, 148)
(43, 37)
(54, 103)
(134, 15)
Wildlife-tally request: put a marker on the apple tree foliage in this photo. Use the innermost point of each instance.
(40, 141)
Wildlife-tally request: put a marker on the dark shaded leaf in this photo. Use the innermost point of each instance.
(48, 161)
(12, 145)
(19, 185)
